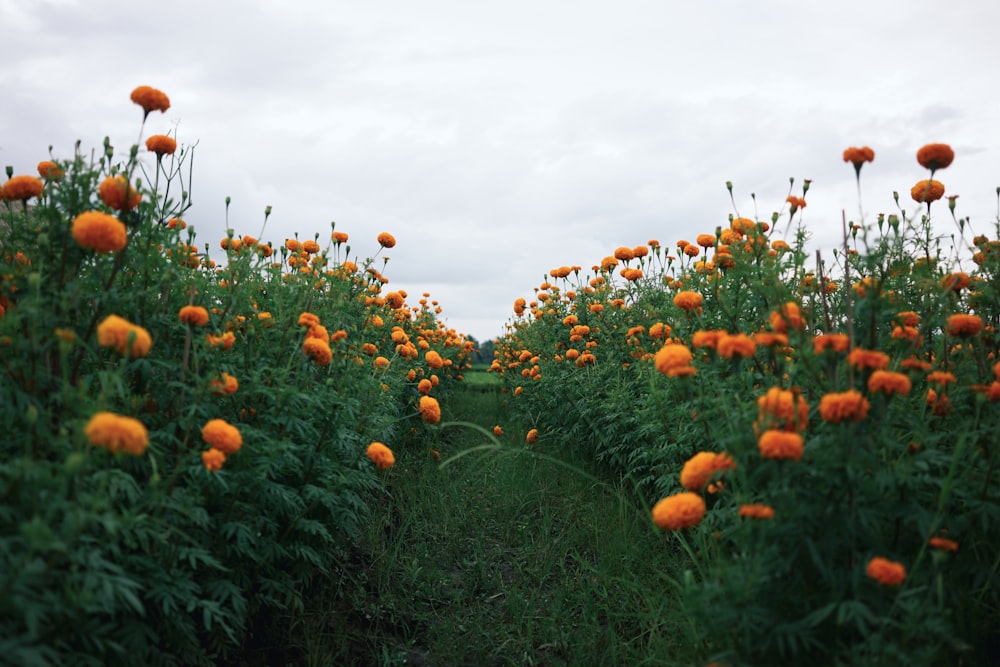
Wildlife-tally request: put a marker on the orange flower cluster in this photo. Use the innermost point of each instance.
(699, 470)
(380, 455)
(674, 360)
(736, 345)
(679, 511)
(118, 193)
(789, 316)
(117, 433)
(885, 571)
(150, 99)
(161, 144)
(858, 157)
(963, 325)
(688, 301)
(927, 191)
(194, 315)
(757, 511)
(848, 406)
(532, 436)
(21, 188)
(889, 383)
(935, 156)
(868, 359)
(386, 240)
(777, 444)
(224, 385)
(99, 232)
(782, 409)
(50, 171)
(430, 410)
(126, 338)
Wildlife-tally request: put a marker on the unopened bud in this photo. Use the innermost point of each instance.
(267, 211)
(10, 173)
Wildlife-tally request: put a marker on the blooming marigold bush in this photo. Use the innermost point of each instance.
(860, 424)
(225, 505)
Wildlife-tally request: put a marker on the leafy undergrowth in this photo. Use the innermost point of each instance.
(503, 554)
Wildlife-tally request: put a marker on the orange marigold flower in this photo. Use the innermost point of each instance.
(782, 409)
(885, 571)
(736, 345)
(433, 359)
(150, 99)
(532, 436)
(659, 331)
(845, 406)
(339, 237)
(22, 188)
(222, 435)
(908, 333)
(213, 459)
(927, 191)
(956, 281)
(916, 364)
(318, 349)
(941, 377)
(777, 444)
(380, 455)
(908, 318)
(789, 316)
(709, 339)
(117, 433)
(196, 315)
(50, 171)
(935, 156)
(889, 383)
(943, 543)
(700, 468)
(673, 360)
(692, 250)
(225, 341)
(858, 157)
(161, 144)
(386, 240)
(624, 254)
(99, 231)
(706, 240)
(871, 359)
(769, 339)
(307, 319)
(424, 386)
(497, 431)
(795, 203)
(224, 385)
(757, 511)
(679, 511)
(964, 325)
(118, 193)
(126, 338)
(688, 300)
(430, 409)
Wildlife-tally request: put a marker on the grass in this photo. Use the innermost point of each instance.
(504, 557)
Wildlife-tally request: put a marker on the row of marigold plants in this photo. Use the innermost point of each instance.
(816, 436)
(192, 435)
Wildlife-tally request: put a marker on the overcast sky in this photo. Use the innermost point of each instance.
(499, 140)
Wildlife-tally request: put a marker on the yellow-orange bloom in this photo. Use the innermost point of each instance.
(497, 431)
(885, 571)
(935, 156)
(532, 436)
(688, 300)
(736, 345)
(222, 435)
(126, 338)
(223, 385)
(380, 455)
(927, 191)
(339, 237)
(433, 359)
(782, 409)
(757, 511)
(386, 240)
(674, 360)
(943, 543)
(150, 99)
(789, 316)
(22, 188)
(624, 254)
(871, 359)
(117, 433)
(706, 240)
(699, 469)
(196, 315)
(858, 156)
(844, 406)
(709, 339)
(319, 350)
(679, 511)
(50, 171)
(964, 325)
(161, 144)
(118, 193)
(776, 444)
(889, 383)
(99, 231)
(430, 410)
(213, 459)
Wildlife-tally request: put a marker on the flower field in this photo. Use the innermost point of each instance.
(198, 454)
